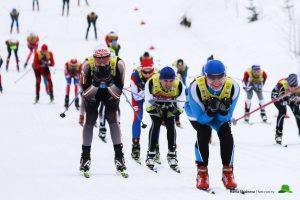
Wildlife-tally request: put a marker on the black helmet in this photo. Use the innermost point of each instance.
(292, 80)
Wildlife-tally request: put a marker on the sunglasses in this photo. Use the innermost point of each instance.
(215, 76)
(147, 72)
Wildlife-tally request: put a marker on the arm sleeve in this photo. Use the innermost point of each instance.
(149, 96)
(195, 108)
(135, 89)
(245, 79)
(265, 77)
(181, 97)
(66, 69)
(51, 60)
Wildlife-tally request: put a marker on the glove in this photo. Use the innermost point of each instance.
(213, 104)
(44, 63)
(224, 106)
(103, 75)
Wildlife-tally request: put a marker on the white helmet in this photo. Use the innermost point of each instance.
(101, 51)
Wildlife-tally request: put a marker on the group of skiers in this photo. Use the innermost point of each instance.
(209, 101)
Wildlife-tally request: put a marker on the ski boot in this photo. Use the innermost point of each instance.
(51, 96)
(157, 155)
(18, 68)
(278, 137)
(85, 161)
(119, 160)
(150, 161)
(77, 103)
(172, 160)
(1, 89)
(178, 123)
(228, 178)
(136, 150)
(247, 116)
(37, 98)
(202, 180)
(66, 101)
(102, 133)
(263, 115)
(25, 65)
(81, 120)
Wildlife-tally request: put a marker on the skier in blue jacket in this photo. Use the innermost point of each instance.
(211, 102)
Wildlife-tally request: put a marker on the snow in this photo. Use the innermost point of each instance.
(40, 151)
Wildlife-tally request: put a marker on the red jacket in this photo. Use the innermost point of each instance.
(41, 61)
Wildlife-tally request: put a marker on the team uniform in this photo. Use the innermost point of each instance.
(253, 81)
(43, 59)
(163, 111)
(209, 109)
(91, 19)
(72, 71)
(14, 15)
(139, 77)
(12, 45)
(293, 101)
(32, 44)
(102, 82)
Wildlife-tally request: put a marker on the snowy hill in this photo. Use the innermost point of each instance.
(40, 151)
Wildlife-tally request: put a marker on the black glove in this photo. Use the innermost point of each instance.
(103, 75)
(213, 104)
(284, 101)
(224, 106)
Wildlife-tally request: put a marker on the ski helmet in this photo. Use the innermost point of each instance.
(44, 47)
(255, 67)
(214, 67)
(147, 64)
(167, 73)
(101, 51)
(73, 61)
(179, 62)
(292, 80)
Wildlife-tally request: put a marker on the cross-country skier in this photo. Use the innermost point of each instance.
(164, 86)
(211, 102)
(283, 86)
(254, 81)
(63, 8)
(91, 19)
(110, 37)
(12, 45)
(32, 44)
(14, 15)
(102, 80)
(43, 59)
(72, 71)
(1, 61)
(139, 77)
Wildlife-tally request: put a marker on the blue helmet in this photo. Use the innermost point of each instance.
(255, 67)
(214, 67)
(14, 10)
(167, 73)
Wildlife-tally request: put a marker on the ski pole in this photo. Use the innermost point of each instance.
(127, 100)
(62, 115)
(23, 75)
(133, 92)
(234, 121)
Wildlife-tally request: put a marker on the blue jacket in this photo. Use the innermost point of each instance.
(196, 111)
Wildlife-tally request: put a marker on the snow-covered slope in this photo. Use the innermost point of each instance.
(40, 151)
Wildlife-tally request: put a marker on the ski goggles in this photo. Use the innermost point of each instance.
(215, 76)
(148, 72)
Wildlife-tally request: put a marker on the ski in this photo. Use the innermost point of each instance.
(86, 174)
(281, 145)
(137, 160)
(123, 173)
(153, 168)
(175, 169)
(208, 190)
